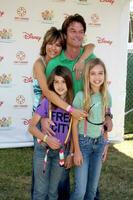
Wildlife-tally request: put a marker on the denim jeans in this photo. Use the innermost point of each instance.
(64, 186)
(46, 184)
(87, 175)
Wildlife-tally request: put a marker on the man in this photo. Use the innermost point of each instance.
(74, 28)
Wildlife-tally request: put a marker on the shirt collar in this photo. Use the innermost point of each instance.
(65, 58)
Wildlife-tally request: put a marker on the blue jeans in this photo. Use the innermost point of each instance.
(87, 175)
(46, 184)
(64, 186)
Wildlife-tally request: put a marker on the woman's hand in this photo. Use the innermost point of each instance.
(78, 158)
(78, 114)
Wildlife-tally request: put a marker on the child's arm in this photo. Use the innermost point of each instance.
(78, 158)
(69, 158)
(105, 153)
(50, 140)
(88, 49)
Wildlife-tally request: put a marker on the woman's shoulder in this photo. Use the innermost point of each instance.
(38, 61)
(38, 64)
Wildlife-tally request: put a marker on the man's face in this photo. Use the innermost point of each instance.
(75, 35)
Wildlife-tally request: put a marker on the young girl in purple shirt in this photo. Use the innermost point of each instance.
(48, 168)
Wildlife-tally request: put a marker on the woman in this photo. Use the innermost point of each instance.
(52, 45)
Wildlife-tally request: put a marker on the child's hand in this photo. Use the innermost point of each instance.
(79, 114)
(105, 153)
(78, 158)
(108, 123)
(53, 142)
(69, 162)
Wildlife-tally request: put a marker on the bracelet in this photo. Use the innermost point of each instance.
(81, 60)
(109, 115)
(69, 109)
(106, 142)
(71, 154)
(45, 138)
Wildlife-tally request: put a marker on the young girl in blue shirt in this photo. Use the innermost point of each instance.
(88, 134)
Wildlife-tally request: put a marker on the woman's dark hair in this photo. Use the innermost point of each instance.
(52, 35)
(66, 74)
(73, 18)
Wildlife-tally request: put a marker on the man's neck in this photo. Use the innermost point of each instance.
(72, 53)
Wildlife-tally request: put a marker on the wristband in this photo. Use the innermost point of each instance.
(69, 109)
(45, 138)
(71, 154)
(109, 115)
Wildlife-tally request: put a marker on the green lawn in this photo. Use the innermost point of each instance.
(116, 181)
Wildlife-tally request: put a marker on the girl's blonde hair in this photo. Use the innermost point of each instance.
(87, 87)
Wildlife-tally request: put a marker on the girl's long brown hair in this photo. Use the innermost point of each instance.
(66, 74)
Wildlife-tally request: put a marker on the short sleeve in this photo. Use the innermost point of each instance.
(78, 100)
(109, 100)
(42, 108)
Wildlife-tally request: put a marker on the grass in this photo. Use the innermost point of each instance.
(116, 180)
(117, 175)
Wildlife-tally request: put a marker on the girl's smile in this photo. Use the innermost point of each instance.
(96, 77)
(60, 86)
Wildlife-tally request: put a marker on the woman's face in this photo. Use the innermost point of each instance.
(53, 49)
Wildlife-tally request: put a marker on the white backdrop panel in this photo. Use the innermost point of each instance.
(22, 28)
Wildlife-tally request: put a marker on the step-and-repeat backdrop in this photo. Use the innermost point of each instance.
(23, 24)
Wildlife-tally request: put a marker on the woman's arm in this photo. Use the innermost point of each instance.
(50, 140)
(51, 96)
(88, 49)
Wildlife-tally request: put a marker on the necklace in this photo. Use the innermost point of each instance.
(72, 55)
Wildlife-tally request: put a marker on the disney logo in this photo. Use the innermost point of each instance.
(1, 58)
(26, 121)
(108, 1)
(1, 13)
(1, 102)
(66, 15)
(27, 79)
(103, 40)
(28, 36)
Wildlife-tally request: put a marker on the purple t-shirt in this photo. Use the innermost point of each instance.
(60, 118)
